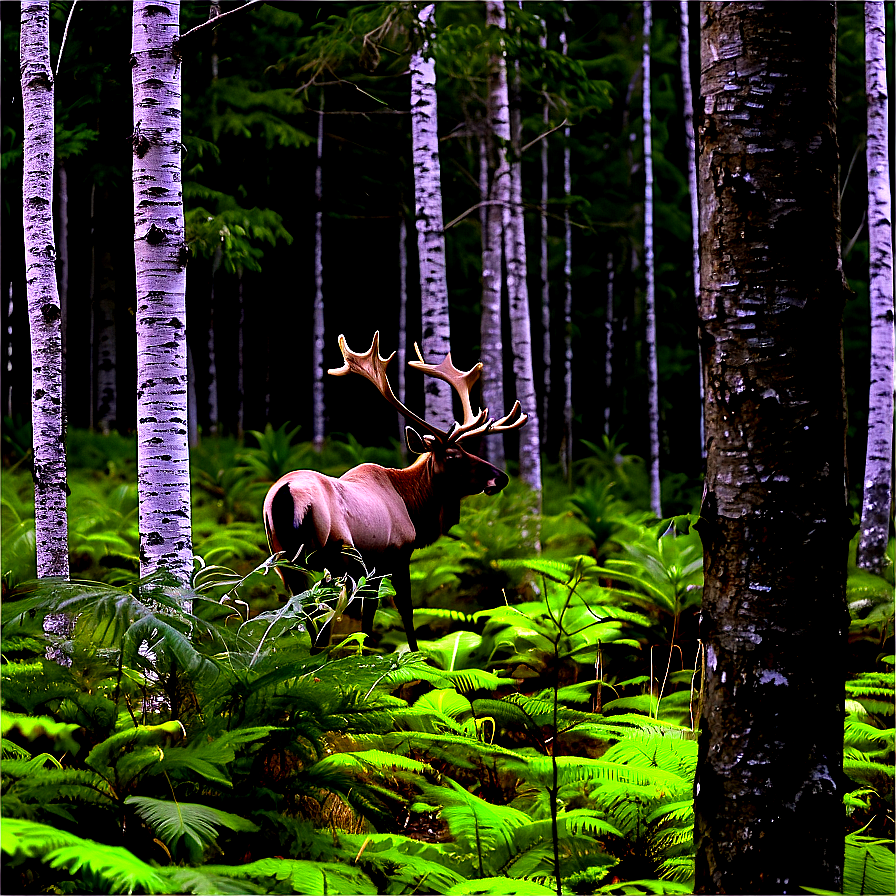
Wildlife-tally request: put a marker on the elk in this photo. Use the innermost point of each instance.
(385, 513)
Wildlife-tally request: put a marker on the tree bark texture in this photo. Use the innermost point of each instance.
(160, 254)
(43, 297)
(493, 159)
(653, 396)
(520, 320)
(436, 341)
(566, 441)
(877, 495)
(317, 350)
(543, 262)
(768, 803)
(608, 344)
(402, 349)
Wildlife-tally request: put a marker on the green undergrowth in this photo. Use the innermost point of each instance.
(541, 741)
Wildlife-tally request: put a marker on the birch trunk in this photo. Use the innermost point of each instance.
(317, 349)
(402, 349)
(213, 411)
(436, 341)
(653, 400)
(769, 808)
(518, 300)
(160, 255)
(543, 265)
(50, 520)
(493, 148)
(684, 46)
(608, 345)
(877, 494)
(566, 442)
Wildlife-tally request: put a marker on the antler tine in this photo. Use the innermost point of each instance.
(462, 382)
(513, 420)
(372, 367)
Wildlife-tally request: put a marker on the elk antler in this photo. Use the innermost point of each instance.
(462, 383)
(372, 367)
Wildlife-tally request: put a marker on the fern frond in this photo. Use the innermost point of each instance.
(869, 866)
(555, 570)
(679, 868)
(199, 824)
(302, 876)
(500, 886)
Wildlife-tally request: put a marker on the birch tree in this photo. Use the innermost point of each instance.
(877, 483)
(566, 443)
(50, 521)
(653, 399)
(518, 300)
(769, 809)
(436, 341)
(160, 255)
(317, 349)
(608, 343)
(543, 257)
(495, 191)
(690, 146)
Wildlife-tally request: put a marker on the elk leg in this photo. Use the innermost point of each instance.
(401, 582)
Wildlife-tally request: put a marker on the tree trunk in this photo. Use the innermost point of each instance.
(493, 157)
(317, 349)
(213, 411)
(543, 264)
(436, 341)
(684, 46)
(160, 254)
(566, 440)
(877, 497)
(50, 520)
(653, 398)
(518, 296)
(769, 811)
(402, 358)
(608, 345)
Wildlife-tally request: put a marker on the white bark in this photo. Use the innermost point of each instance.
(543, 264)
(436, 341)
(43, 296)
(877, 493)
(608, 345)
(213, 411)
(566, 444)
(493, 148)
(317, 348)
(402, 358)
(163, 475)
(684, 46)
(653, 404)
(518, 296)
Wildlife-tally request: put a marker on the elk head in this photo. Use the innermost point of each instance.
(464, 473)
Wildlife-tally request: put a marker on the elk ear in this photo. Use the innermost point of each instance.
(415, 443)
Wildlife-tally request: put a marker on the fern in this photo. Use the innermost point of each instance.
(301, 876)
(172, 821)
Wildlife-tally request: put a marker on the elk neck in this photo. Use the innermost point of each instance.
(432, 507)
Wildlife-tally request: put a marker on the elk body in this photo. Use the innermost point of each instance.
(385, 514)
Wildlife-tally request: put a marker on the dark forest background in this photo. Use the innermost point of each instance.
(250, 144)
